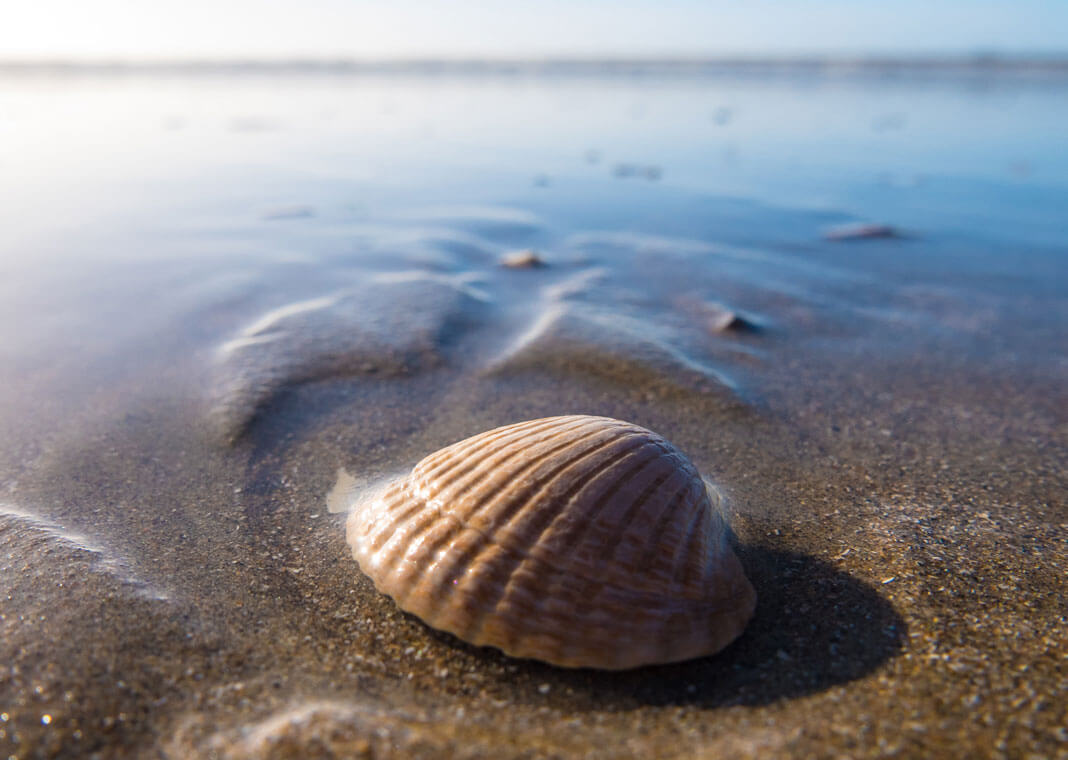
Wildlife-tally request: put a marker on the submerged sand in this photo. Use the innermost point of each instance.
(889, 428)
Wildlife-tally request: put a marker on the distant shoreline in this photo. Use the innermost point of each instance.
(985, 65)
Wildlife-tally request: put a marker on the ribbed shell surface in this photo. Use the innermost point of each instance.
(580, 541)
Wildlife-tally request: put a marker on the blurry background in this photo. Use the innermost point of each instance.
(912, 113)
(279, 29)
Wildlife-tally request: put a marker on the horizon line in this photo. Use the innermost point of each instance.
(1030, 64)
(978, 57)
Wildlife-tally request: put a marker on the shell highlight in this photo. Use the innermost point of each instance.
(579, 541)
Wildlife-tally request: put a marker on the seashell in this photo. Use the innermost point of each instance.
(579, 541)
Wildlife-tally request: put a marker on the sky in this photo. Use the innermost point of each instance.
(273, 29)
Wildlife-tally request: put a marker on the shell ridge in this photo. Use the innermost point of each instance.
(714, 531)
(432, 511)
(437, 600)
(507, 590)
(684, 560)
(435, 512)
(422, 546)
(644, 604)
(568, 434)
(663, 500)
(366, 519)
(643, 601)
(574, 537)
(380, 526)
(478, 497)
(451, 457)
(600, 584)
(478, 469)
(399, 584)
(420, 515)
(438, 463)
(657, 534)
(502, 563)
(395, 507)
(456, 454)
(393, 547)
(517, 501)
(431, 577)
(625, 522)
(498, 598)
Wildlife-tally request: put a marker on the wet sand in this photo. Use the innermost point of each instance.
(890, 433)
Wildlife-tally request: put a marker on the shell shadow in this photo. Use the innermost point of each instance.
(814, 627)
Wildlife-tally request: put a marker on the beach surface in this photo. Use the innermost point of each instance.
(843, 296)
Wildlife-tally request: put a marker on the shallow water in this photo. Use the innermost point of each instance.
(217, 291)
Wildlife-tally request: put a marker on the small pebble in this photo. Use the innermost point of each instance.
(525, 259)
(722, 319)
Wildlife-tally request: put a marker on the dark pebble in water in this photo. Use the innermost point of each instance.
(861, 231)
(718, 319)
(714, 316)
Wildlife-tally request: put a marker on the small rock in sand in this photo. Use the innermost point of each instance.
(525, 259)
(715, 317)
(719, 319)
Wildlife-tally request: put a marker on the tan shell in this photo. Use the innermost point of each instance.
(580, 541)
